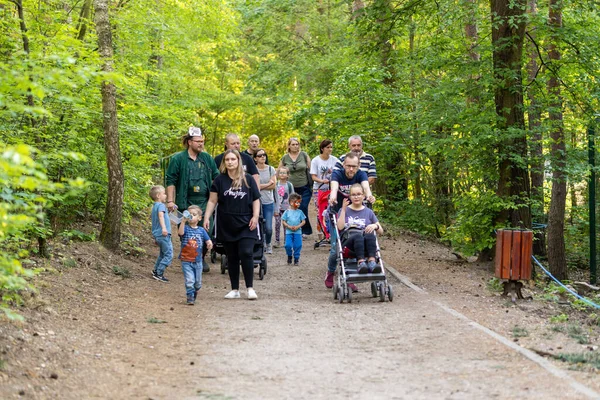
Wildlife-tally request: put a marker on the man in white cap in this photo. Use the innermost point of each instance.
(190, 174)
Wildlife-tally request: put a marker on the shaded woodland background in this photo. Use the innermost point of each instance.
(476, 112)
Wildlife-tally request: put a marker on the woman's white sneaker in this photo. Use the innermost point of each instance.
(234, 294)
(251, 294)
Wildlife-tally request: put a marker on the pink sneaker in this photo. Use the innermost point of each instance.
(329, 280)
(353, 287)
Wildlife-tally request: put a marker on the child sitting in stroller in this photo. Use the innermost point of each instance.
(361, 224)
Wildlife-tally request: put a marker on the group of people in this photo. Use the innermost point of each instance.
(228, 194)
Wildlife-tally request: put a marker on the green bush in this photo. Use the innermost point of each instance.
(26, 194)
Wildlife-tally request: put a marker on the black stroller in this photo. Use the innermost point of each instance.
(348, 269)
(260, 260)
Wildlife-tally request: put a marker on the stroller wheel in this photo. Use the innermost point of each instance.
(223, 263)
(316, 245)
(349, 295)
(213, 256)
(373, 289)
(382, 292)
(335, 291)
(341, 294)
(390, 293)
(262, 269)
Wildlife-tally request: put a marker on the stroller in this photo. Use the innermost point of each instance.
(348, 269)
(260, 260)
(322, 203)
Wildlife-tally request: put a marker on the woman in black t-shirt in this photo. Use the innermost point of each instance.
(238, 198)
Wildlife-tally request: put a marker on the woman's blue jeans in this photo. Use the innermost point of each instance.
(268, 211)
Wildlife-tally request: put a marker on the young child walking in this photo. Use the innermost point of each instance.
(193, 238)
(282, 202)
(161, 230)
(363, 243)
(293, 219)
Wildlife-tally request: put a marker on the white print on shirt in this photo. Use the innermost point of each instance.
(235, 194)
(345, 189)
(358, 222)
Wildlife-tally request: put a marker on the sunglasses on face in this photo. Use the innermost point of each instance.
(261, 155)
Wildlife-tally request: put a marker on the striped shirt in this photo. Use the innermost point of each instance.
(367, 164)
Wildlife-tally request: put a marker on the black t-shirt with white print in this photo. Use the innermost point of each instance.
(234, 209)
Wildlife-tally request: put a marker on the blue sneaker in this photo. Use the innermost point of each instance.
(190, 300)
(160, 278)
(374, 268)
(362, 268)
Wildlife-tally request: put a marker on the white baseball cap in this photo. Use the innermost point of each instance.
(194, 131)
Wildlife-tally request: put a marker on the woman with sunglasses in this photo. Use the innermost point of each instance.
(298, 163)
(268, 181)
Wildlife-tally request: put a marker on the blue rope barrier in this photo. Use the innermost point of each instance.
(562, 285)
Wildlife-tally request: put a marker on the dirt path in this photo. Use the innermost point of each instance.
(93, 334)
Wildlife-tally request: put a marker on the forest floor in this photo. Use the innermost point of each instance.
(101, 327)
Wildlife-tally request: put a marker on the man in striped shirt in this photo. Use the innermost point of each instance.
(367, 161)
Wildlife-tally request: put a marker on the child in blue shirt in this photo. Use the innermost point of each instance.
(161, 231)
(193, 238)
(293, 219)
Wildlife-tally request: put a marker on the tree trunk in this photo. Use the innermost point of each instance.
(556, 218)
(84, 18)
(508, 22)
(536, 160)
(416, 166)
(110, 235)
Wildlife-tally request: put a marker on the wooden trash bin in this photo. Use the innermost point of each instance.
(513, 259)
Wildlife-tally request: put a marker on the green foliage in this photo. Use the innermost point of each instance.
(473, 227)
(412, 215)
(495, 285)
(22, 181)
(76, 235)
(558, 319)
(153, 320)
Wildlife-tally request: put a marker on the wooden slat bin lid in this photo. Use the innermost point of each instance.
(513, 254)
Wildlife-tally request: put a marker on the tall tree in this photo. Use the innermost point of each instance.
(556, 216)
(508, 31)
(110, 235)
(534, 119)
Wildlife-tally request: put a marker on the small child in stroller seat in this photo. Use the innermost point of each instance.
(361, 224)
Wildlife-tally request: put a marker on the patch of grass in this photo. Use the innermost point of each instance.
(77, 235)
(69, 262)
(495, 285)
(518, 331)
(557, 328)
(558, 319)
(2, 364)
(575, 332)
(131, 245)
(591, 359)
(121, 271)
(153, 320)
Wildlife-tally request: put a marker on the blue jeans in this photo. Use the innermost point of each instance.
(332, 261)
(306, 194)
(165, 256)
(268, 211)
(293, 244)
(192, 276)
